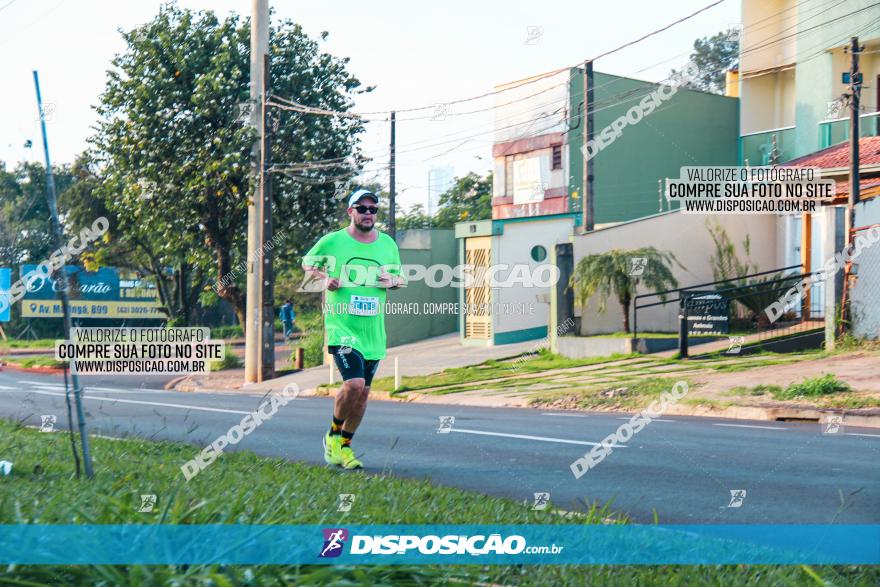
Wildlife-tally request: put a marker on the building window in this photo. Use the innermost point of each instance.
(557, 157)
(539, 253)
(508, 176)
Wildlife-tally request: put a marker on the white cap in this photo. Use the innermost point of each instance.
(353, 199)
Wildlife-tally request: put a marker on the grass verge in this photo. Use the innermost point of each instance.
(243, 488)
(542, 360)
(33, 361)
(40, 343)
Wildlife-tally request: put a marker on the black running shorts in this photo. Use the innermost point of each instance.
(352, 364)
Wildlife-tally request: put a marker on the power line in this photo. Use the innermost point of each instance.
(657, 31)
(533, 79)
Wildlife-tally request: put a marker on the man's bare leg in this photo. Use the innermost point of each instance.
(351, 403)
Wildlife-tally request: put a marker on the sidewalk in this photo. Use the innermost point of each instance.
(418, 358)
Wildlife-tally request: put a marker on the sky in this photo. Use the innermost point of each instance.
(415, 53)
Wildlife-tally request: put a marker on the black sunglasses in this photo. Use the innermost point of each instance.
(364, 209)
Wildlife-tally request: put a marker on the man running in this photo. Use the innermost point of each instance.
(356, 265)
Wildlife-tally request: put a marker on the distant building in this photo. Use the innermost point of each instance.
(538, 183)
(440, 180)
(793, 57)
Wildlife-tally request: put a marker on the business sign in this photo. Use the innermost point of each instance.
(5, 284)
(528, 184)
(708, 312)
(93, 294)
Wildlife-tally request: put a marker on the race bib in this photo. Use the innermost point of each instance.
(364, 306)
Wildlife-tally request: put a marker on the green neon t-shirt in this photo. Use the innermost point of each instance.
(354, 314)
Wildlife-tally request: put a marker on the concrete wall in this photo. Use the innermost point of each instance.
(687, 237)
(512, 247)
(425, 247)
(866, 293)
(766, 36)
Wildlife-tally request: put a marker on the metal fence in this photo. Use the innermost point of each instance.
(735, 309)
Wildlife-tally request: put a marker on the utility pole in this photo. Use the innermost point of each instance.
(392, 217)
(855, 94)
(587, 182)
(855, 87)
(267, 336)
(65, 301)
(254, 327)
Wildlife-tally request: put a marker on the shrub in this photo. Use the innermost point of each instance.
(312, 342)
(827, 384)
(230, 361)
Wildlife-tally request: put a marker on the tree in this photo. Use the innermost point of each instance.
(611, 273)
(711, 59)
(415, 217)
(470, 198)
(755, 293)
(174, 149)
(179, 283)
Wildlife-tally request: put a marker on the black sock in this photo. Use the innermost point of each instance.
(336, 426)
(346, 438)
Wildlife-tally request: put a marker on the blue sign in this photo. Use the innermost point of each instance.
(100, 285)
(553, 544)
(5, 284)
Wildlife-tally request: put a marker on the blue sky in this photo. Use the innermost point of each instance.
(416, 53)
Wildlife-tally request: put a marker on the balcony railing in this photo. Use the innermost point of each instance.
(760, 148)
(832, 132)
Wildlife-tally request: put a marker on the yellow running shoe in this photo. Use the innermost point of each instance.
(332, 444)
(349, 461)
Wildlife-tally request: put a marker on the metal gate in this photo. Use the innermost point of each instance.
(478, 297)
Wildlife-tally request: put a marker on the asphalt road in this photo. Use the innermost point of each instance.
(682, 468)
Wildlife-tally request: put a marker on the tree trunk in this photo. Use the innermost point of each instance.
(625, 307)
(231, 293)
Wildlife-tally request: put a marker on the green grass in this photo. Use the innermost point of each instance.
(241, 488)
(224, 332)
(760, 389)
(630, 395)
(230, 361)
(815, 387)
(542, 360)
(41, 343)
(33, 361)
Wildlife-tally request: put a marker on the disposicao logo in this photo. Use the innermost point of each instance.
(334, 541)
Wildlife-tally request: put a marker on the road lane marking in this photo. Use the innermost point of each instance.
(568, 415)
(750, 426)
(527, 437)
(652, 419)
(134, 401)
(862, 434)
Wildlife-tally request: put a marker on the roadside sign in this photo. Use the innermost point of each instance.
(105, 293)
(5, 284)
(708, 312)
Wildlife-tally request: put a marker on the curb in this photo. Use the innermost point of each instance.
(771, 414)
(48, 370)
(778, 414)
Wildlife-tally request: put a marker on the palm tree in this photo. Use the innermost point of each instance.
(616, 272)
